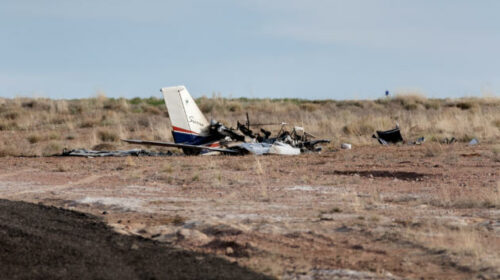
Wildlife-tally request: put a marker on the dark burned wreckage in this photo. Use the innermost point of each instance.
(195, 135)
(393, 136)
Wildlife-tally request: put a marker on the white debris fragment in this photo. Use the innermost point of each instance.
(473, 142)
(346, 146)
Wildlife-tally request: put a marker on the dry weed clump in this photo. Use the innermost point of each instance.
(108, 136)
(34, 138)
(461, 197)
(464, 241)
(411, 101)
(89, 122)
(362, 127)
(120, 105)
(10, 150)
(154, 110)
(167, 168)
(433, 149)
(496, 153)
(217, 104)
(104, 147)
(8, 125)
(129, 162)
(52, 148)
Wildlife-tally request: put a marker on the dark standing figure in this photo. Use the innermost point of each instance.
(387, 93)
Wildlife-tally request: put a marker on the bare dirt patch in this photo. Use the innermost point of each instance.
(379, 212)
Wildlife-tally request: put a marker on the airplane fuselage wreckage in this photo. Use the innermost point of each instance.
(195, 135)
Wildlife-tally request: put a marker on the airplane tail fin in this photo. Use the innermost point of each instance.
(188, 122)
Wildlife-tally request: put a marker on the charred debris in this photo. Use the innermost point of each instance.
(258, 140)
(393, 136)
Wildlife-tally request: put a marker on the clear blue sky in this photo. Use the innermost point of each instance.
(283, 48)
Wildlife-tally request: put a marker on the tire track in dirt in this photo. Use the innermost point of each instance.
(44, 189)
(9, 174)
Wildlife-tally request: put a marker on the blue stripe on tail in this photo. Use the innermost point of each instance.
(186, 138)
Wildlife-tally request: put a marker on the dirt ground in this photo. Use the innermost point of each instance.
(417, 212)
(43, 242)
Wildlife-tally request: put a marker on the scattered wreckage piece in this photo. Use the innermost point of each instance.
(450, 140)
(280, 148)
(195, 135)
(393, 136)
(419, 141)
(473, 142)
(345, 146)
(121, 153)
(389, 136)
(277, 148)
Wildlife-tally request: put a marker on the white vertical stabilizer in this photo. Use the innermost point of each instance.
(183, 111)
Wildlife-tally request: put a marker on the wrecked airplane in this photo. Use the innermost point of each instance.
(195, 135)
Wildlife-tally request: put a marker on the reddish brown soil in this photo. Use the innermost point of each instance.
(41, 242)
(363, 213)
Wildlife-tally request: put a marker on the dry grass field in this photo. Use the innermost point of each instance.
(36, 127)
(374, 212)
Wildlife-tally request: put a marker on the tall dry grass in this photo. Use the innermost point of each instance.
(39, 126)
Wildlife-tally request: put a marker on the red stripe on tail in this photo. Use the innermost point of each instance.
(178, 129)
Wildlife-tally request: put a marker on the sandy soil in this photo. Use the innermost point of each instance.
(426, 212)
